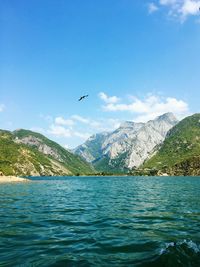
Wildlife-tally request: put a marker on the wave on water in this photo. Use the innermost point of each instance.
(181, 244)
(185, 253)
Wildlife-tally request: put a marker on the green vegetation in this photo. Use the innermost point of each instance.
(179, 154)
(22, 158)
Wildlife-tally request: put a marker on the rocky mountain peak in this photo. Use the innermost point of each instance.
(169, 117)
(129, 145)
(131, 124)
(97, 135)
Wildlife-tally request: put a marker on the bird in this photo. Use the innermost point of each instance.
(82, 97)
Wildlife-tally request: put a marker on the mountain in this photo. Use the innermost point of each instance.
(180, 152)
(24, 152)
(91, 149)
(128, 146)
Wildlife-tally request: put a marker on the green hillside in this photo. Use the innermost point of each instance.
(180, 152)
(25, 152)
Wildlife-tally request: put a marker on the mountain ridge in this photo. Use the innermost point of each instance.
(180, 150)
(128, 146)
(162, 146)
(24, 152)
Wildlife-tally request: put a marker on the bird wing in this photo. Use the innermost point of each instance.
(82, 97)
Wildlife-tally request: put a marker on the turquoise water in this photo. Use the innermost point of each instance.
(101, 221)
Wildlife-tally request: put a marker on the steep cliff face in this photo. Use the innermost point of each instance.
(92, 148)
(128, 146)
(148, 138)
(25, 152)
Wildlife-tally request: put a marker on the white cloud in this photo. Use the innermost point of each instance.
(75, 122)
(81, 135)
(63, 122)
(2, 107)
(179, 8)
(59, 131)
(113, 124)
(38, 130)
(150, 107)
(152, 8)
(169, 2)
(80, 119)
(80, 131)
(88, 121)
(101, 124)
(105, 125)
(190, 8)
(109, 99)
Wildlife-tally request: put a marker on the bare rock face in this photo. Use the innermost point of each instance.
(137, 141)
(36, 142)
(92, 148)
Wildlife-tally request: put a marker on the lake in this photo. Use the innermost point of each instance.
(101, 221)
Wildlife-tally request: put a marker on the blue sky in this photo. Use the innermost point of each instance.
(136, 60)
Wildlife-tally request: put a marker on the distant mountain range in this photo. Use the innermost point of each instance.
(24, 152)
(162, 146)
(127, 147)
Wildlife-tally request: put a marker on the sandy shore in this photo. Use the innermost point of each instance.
(10, 179)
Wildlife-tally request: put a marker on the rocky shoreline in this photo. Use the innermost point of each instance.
(11, 179)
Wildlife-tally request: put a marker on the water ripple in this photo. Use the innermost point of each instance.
(107, 221)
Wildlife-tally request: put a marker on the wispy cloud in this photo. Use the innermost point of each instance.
(180, 9)
(2, 107)
(100, 124)
(82, 135)
(64, 122)
(152, 8)
(80, 119)
(59, 131)
(108, 99)
(150, 107)
(68, 127)
(76, 129)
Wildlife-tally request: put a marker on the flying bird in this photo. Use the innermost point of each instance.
(82, 97)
